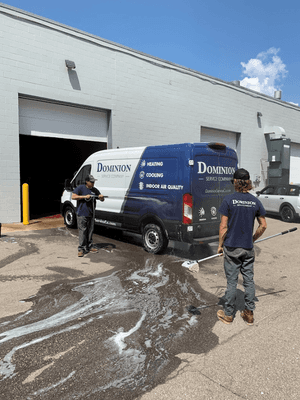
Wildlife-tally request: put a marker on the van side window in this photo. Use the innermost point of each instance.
(80, 177)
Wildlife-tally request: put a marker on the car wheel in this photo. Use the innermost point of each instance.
(287, 214)
(154, 240)
(70, 217)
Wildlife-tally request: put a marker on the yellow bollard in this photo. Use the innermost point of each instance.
(25, 188)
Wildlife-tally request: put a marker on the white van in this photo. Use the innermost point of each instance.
(169, 192)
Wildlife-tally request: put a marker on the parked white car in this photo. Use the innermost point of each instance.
(283, 200)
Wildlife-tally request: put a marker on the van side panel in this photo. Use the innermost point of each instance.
(114, 170)
(161, 179)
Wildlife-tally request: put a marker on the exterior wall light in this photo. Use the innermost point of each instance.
(259, 114)
(70, 64)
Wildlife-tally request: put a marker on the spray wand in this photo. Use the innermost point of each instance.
(190, 264)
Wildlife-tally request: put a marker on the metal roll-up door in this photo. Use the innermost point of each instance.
(47, 119)
(217, 135)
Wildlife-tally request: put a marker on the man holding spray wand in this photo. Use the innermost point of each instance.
(85, 196)
(238, 212)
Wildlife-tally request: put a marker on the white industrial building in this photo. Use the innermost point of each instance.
(53, 115)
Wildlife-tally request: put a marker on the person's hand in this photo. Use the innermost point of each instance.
(101, 197)
(220, 250)
(88, 196)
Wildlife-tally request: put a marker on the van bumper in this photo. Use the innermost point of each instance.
(193, 234)
(189, 237)
(207, 239)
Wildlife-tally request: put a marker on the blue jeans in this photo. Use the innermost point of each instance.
(238, 260)
(85, 228)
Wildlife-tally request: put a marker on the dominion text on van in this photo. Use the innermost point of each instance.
(113, 168)
(212, 169)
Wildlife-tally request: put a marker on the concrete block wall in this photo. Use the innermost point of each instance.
(32, 62)
(152, 101)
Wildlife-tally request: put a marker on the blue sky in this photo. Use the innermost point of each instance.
(256, 42)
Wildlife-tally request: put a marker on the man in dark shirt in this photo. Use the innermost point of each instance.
(238, 212)
(86, 214)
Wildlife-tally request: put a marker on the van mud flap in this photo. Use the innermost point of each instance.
(179, 233)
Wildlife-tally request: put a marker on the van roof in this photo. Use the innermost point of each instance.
(132, 152)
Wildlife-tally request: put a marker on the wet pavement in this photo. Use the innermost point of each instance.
(117, 325)
(115, 335)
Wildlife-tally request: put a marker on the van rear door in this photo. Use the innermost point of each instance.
(214, 166)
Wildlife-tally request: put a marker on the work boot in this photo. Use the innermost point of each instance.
(80, 253)
(247, 316)
(227, 319)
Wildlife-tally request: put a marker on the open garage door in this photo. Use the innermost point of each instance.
(55, 140)
(295, 163)
(45, 163)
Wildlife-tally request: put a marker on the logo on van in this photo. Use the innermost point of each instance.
(113, 168)
(213, 211)
(201, 212)
(142, 174)
(212, 169)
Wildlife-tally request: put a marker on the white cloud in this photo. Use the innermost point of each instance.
(264, 72)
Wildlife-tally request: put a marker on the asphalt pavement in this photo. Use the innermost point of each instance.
(115, 324)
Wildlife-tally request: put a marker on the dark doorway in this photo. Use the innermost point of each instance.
(45, 163)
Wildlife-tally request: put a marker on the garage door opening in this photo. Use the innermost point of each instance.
(45, 163)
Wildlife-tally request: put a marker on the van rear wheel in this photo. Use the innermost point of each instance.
(70, 217)
(154, 240)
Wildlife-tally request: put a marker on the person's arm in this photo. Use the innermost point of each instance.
(80, 197)
(222, 232)
(262, 226)
(77, 196)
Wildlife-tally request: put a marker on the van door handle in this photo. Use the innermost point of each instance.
(281, 198)
(266, 197)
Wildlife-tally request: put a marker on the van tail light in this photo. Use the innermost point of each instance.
(187, 215)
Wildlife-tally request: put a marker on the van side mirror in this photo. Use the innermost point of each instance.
(68, 185)
(258, 193)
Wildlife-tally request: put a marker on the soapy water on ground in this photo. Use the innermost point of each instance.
(96, 338)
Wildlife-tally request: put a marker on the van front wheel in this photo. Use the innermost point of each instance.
(70, 217)
(155, 241)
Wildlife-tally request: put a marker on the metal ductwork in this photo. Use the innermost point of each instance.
(279, 149)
